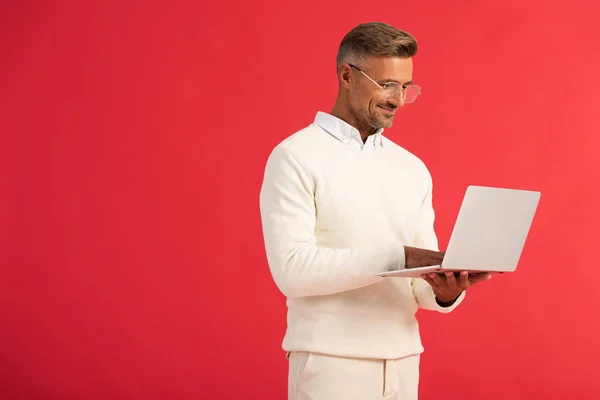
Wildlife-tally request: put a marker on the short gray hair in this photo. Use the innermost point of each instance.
(378, 39)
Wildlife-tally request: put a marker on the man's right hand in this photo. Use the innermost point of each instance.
(416, 257)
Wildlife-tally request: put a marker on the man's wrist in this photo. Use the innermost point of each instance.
(447, 303)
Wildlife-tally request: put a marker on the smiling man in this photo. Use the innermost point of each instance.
(340, 202)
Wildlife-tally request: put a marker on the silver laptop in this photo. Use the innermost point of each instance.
(489, 233)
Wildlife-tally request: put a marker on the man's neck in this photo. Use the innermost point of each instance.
(345, 115)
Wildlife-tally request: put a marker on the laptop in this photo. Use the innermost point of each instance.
(489, 233)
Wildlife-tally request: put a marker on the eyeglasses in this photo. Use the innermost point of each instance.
(390, 90)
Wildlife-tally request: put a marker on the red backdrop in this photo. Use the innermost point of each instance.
(136, 136)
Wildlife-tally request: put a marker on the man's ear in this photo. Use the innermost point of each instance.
(345, 75)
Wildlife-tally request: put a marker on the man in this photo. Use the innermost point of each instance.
(340, 202)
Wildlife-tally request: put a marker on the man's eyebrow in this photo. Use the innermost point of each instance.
(395, 81)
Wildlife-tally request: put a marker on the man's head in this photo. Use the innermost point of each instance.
(374, 65)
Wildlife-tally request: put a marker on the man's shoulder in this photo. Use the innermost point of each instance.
(301, 140)
(303, 144)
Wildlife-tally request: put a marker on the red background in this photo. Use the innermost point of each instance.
(135, 139)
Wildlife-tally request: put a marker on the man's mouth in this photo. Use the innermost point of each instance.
(389, 111)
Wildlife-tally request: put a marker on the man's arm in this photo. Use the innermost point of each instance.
(300, 267)
(426, 238)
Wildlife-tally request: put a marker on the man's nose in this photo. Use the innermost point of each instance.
(397, 101)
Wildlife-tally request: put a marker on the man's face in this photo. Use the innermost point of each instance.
(366, 101)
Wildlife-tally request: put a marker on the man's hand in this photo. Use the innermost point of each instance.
(447, 287)
(416, 257)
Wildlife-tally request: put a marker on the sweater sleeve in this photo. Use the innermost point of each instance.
(298, 265)
(426, 238)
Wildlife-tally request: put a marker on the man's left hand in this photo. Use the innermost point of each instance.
(448, 287)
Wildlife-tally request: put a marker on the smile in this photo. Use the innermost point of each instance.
(388, 111)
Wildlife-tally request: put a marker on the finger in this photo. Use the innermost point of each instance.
(479, 275)
(437, 279)
(428, 280)
(463, 280)
(476, 278)
(435, 259)
(450, 279)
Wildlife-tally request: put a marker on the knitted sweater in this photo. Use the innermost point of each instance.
(332, 216)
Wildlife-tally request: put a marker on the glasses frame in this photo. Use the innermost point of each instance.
(402, 91)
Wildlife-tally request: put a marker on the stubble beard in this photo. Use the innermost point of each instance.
(371, 119)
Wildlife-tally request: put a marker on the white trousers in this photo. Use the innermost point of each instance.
(314, 376)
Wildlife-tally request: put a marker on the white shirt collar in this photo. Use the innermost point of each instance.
(346, 133)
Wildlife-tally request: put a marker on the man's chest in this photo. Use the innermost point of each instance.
(353, 198)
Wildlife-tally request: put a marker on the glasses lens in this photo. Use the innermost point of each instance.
(412, 92)
(390, 91)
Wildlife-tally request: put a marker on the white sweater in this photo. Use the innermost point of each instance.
(332, 216)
